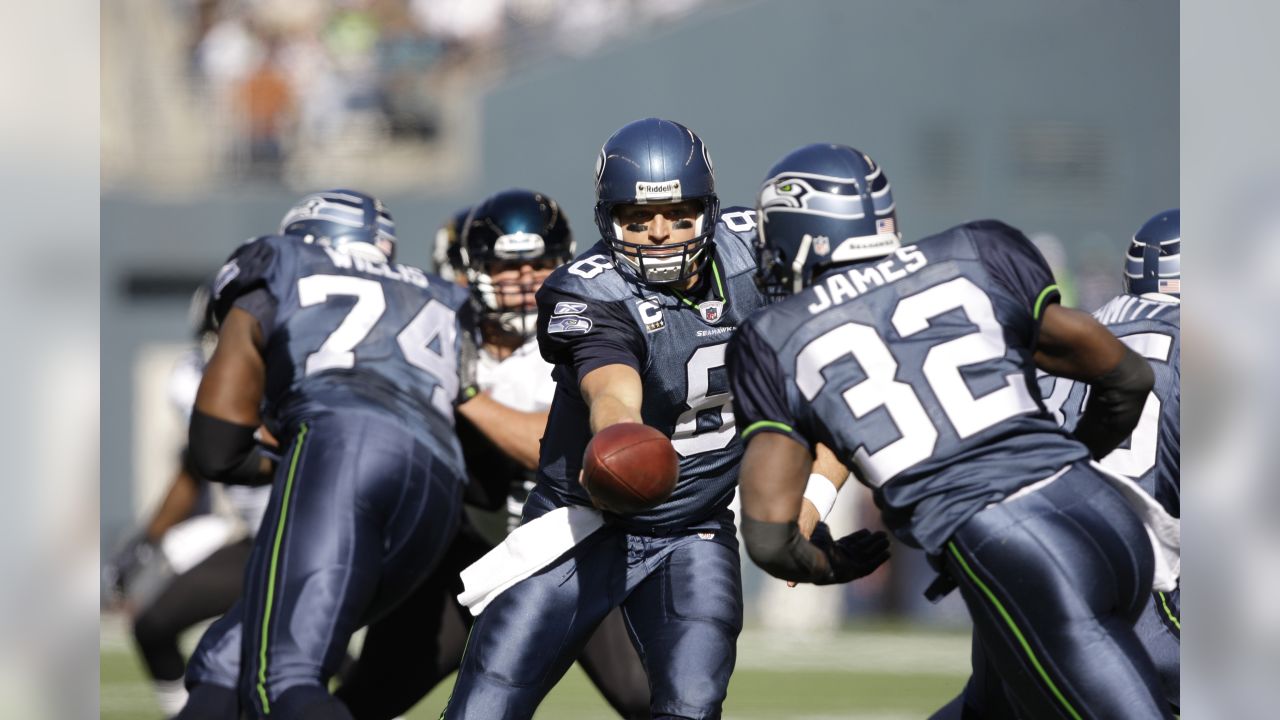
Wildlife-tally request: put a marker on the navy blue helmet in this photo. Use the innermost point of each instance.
(507, 231)
(344, 219)
(821, 205)
(1153, 263)
(654, 161)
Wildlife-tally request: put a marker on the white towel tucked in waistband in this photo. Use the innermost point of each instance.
(1163, 529)
(528, 549)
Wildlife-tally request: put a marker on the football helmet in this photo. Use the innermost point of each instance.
(503, 233)
(1153, 263)
(654, 161)
(346, 220)
(821, 205)
(447, 254)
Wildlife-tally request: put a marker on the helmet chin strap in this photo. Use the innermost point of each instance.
(797, 267)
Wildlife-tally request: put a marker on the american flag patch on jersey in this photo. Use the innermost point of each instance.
(885, 226)
(1172, 286)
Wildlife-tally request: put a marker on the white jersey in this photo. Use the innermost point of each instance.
(522, 381)
(184, 381)
(247, 504)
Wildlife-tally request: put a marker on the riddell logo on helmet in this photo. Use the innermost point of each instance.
(668, 190)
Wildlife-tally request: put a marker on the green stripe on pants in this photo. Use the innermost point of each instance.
(1022, 640)
(271, 577)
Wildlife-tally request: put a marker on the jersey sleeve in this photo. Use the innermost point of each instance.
(756, 381)
(1017, 265)
(244, 274)
(586, 334)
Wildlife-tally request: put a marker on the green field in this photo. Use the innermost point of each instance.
(876, 673)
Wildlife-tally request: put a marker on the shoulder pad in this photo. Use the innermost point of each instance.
(735, 240)
(592, 275)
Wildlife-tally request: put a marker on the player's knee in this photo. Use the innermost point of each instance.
(150, 630)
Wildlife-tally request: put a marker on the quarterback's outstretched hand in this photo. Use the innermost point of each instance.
(852, 556)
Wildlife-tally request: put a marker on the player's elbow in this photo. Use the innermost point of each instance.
(1115, 405)
(775, 548)
(223, 452)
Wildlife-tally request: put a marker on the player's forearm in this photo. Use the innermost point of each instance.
(608, 410)
(516, 433)
(826, 464)
(613, 394)
(176, 506)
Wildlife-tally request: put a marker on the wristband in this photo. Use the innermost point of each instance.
(822, 493)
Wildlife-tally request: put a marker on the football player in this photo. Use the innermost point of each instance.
(916, 365)
(636, 328)
(359, 362)
(1146, 318)
(511, 242)
(187, 564)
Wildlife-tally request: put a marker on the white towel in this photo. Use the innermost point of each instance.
(529, 548)
(1163, 529)
(191, 541)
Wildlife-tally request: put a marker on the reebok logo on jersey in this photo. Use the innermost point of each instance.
(668, 190)
(651, 314)
(568, 324)
(569, 308)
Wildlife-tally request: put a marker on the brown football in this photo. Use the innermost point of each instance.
(630, 467)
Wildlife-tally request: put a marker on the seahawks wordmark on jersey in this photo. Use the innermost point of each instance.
(590, 315)
(1150, 456)
(917, 370)
(343, 332)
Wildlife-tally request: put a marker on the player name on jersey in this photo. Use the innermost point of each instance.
(403, 273)
(847, 285)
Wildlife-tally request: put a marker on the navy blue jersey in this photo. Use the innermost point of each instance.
(1151, 454)
(591, 315)
(345, 333)
(917, 370)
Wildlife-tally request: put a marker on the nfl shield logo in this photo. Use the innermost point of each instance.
(712, 310)
(822, 245)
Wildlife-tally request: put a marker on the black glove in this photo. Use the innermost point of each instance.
(852, 556)
(119, 572)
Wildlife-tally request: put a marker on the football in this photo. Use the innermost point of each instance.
(629, 467)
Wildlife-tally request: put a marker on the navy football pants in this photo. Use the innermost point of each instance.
(420, 643)
(360, 513)
(1055, 581)
(1160, 631)
(681, 598)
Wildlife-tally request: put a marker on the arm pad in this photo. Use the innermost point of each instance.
(224, 452)
(1115, 405)
(780, 550)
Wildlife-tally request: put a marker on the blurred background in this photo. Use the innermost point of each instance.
(216, 115)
